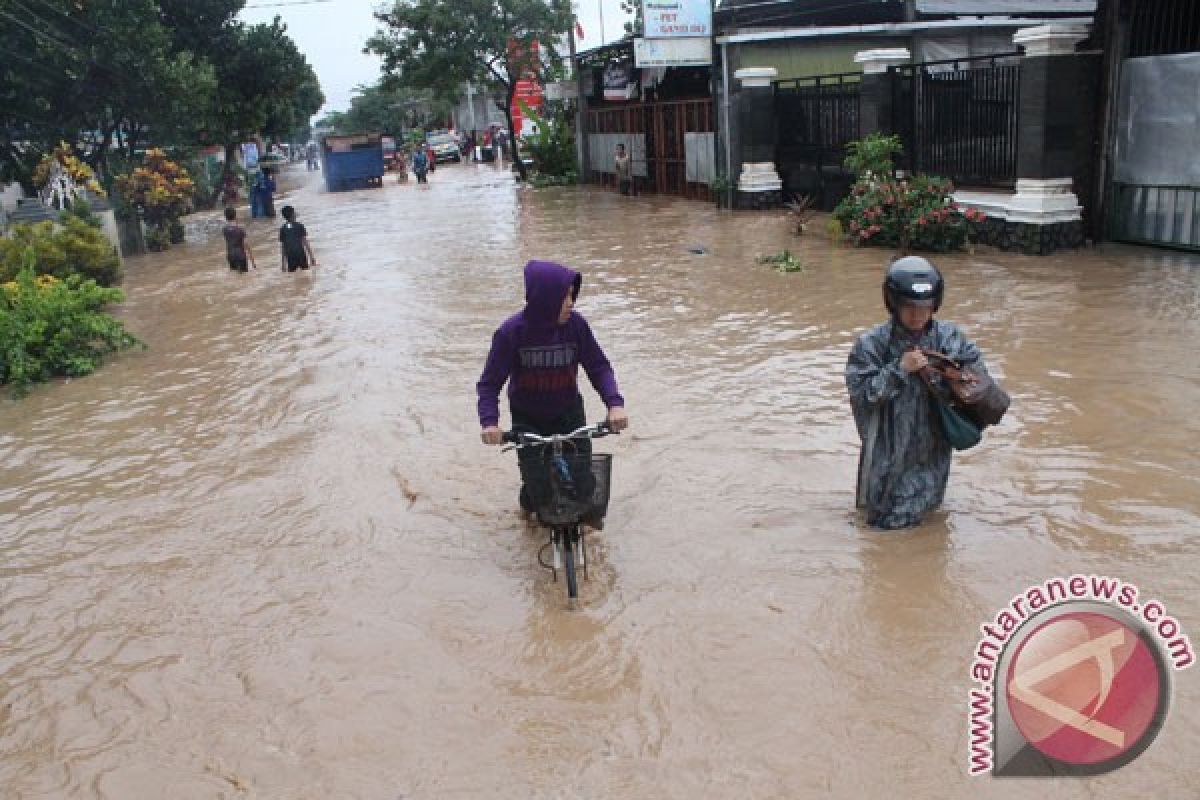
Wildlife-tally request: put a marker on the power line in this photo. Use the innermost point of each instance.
(289, 3)
(68, 48)
(94, 28)
(42, 34)
(82, 25)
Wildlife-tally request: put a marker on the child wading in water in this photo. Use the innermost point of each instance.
(293, 243)
(538, 352)
(240, 257)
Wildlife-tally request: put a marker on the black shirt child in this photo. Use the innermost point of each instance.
(292, 235)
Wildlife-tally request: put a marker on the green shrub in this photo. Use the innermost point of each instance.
(158, 239)
(51, 327)
(207, 173)
(76, 248)
(81, 211)
(909, 215)
(916, 214)
(552, 148)
(873, 156)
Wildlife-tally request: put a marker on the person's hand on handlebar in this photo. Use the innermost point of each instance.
(492, 435)
(618, 420)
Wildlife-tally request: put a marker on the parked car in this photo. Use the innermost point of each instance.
(445, 147)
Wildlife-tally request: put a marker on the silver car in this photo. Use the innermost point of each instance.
(445, 147)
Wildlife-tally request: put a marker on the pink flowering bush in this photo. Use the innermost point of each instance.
(906, 214)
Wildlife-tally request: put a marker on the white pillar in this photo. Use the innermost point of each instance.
(1055, 39)
(758, 176)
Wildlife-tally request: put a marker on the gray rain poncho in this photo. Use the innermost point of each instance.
(905, 458)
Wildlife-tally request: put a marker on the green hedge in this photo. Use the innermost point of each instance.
(74, 248)
(51, 327)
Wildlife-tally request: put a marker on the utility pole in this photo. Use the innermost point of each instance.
(581, 150)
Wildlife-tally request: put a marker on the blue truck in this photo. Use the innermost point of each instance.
(352, 161)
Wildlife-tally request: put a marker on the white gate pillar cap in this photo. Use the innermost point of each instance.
(756, 77)
(1055, 39)
(876, 62)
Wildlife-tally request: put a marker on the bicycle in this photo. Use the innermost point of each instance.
(577, 488)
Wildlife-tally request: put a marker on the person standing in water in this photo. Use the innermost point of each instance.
(420, 164)
(623, 164)
(904, 463)
(239, 255)
(295, 251)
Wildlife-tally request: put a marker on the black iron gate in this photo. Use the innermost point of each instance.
(958, 118)
(816, 117)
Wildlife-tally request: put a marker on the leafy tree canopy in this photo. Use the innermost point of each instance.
(442, 44)
(118, 76)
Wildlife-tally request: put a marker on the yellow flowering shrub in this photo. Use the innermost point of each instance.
(161, 187)
(78, 171)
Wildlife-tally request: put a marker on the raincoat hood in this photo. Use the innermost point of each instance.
(546, 284)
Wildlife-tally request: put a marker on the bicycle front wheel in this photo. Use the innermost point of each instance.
(568, 539)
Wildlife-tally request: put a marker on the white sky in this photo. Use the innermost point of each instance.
(331, 34)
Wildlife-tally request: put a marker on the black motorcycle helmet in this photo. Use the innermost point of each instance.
(912, 278)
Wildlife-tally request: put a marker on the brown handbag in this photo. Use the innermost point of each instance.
(971, 390)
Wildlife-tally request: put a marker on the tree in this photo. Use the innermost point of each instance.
(442, 44)
(120, 76)
(265, 86)
(91, 74)
(389, 108)
(198, 26)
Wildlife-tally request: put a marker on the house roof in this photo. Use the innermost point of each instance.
(830, 13)
(743, 36)
(806, 12)
(1006, 6)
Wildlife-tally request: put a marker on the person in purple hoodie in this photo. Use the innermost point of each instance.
(538, 352)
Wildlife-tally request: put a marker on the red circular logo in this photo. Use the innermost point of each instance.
(1084, 688)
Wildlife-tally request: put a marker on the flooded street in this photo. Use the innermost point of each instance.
(269, 558)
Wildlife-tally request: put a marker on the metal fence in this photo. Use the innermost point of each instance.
(958, 118)
(1161, 27)
(816, 117)
(1159, 215)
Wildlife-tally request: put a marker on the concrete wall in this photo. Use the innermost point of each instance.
(799, 58)
(10, 193)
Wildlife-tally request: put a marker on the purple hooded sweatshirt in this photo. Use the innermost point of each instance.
(538, 357)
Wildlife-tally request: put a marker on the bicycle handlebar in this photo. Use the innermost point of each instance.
(526, 439)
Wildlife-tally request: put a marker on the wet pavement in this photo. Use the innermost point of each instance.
(269, 558)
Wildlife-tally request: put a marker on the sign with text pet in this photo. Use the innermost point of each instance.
(667, 19)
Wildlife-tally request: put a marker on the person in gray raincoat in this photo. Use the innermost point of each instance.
(905, 459)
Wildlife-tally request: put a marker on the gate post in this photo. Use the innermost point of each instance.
(759, 185)
(1052, 117)
(875, 113)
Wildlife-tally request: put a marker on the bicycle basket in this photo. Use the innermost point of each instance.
(578, 489)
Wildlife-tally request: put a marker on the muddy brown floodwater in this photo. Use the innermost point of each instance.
(268, 557)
